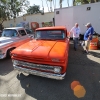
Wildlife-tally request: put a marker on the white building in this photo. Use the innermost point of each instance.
(47, 17)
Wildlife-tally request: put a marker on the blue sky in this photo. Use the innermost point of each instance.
(39, 2)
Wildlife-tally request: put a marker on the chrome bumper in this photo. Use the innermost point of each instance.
(2, 56)
(39, 73)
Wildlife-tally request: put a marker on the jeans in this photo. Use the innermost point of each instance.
(75, 43)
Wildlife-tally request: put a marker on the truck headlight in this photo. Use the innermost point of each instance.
(57, 70)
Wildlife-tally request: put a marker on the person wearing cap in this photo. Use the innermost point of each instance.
(88, 36)
(75, 31)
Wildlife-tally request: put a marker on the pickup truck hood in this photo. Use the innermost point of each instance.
(5, 40)
(41, 49)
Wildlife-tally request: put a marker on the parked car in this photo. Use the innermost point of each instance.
(12, 38)
(46, 55)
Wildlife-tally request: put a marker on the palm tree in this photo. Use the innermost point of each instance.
(47, 4)
(42, 6)
(55, 4)
(50, 5)
(68, 2)
(60, 3)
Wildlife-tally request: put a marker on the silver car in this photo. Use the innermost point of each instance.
(12, 38)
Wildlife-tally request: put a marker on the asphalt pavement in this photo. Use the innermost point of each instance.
(84, 68)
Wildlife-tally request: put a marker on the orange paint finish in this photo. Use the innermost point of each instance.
(52, 28)
(43, 49)
(27, 48)
(58, 50)
(94, 44)
(46, 52)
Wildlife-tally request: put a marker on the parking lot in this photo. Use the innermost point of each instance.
(84, 68)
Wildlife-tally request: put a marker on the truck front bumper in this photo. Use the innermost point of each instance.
(39, 73)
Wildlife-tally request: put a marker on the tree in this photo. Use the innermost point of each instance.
(68, 2)
(78, 2)
(60, 3)
(47, 4)
(50, 5)
(33, 9)
(17, 6)
(11, 8)
(3, 13)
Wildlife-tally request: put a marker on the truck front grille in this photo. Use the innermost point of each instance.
(35, 66)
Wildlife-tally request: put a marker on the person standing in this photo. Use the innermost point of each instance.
(75, 31)
(88, 36)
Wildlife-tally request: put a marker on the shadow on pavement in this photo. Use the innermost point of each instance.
(95, 54)
(80, 68)
(4, 70)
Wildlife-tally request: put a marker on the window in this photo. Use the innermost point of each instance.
(57, 12)
(28, 31)
(88, 8)
(51, 34)
(22, 32)
(9, 33)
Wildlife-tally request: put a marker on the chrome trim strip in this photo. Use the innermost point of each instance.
(37, 66)
(39, 73)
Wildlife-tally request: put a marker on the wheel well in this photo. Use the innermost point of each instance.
(10, 49)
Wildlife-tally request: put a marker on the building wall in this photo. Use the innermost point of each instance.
(83, 16)
(70, 15)
(64, 18)
(47, 17)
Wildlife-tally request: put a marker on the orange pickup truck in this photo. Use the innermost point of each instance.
(45, 55)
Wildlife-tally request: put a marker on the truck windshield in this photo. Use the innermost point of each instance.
(50, 34)
(9, 33)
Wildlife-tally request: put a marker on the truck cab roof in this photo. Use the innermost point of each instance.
(50, 28)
